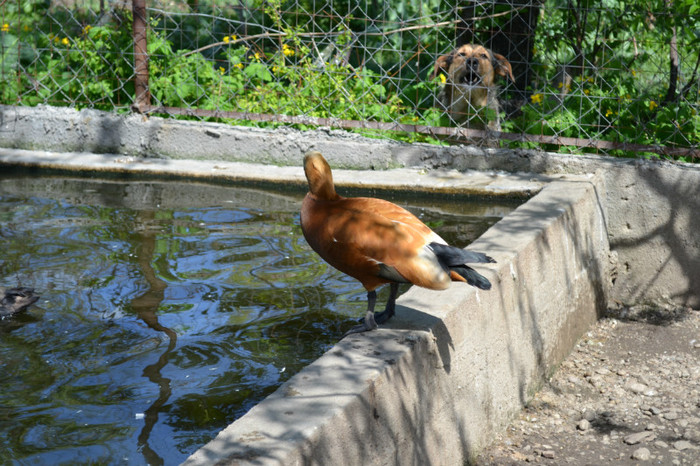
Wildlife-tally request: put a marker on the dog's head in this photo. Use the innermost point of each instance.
(473, 65)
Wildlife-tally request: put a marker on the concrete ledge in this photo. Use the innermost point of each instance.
(455, 366)
(469, 182)
(68, 130)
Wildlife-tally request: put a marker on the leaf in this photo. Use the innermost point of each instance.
(258, 70)
(9, 57)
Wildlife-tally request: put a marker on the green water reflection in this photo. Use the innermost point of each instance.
(167, 310)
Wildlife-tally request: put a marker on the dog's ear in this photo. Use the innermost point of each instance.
(502, 66)
(442, 65)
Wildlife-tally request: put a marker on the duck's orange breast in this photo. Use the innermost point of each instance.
(362, 237)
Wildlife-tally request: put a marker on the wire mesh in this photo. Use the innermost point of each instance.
(599, 76)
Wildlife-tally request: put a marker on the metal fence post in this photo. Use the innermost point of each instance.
(142, 95)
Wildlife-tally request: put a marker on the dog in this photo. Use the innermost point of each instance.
(470, 94)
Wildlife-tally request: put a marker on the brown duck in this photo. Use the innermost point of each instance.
(15, 300)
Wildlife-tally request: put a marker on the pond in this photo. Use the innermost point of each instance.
(167, 310)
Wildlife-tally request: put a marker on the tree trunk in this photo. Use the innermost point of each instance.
(671, 94)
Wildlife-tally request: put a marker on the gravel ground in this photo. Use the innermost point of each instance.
(629, 393)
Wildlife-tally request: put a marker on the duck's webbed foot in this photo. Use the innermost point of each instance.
(369, 322)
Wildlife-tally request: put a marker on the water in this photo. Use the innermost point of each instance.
(167, 310)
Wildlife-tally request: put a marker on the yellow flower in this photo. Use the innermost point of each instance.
(222, 70)
(5, 27)
(634, 72)
(586, 91)
(65, 41)
(226, 39)
(536, 98)
(608, 112)
(652, 105)
(560, 85)
(86, 30)
(275, 69)
(238, 65)
(443, 78)
(287, 50)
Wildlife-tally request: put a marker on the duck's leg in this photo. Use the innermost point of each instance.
(388, 312)
(369, 322)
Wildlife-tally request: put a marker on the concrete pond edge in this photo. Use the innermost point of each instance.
(452, 368)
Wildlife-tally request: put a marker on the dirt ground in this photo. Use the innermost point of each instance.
(629, 393)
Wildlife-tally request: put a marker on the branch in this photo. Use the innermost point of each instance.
(693, 77)
(268, 35)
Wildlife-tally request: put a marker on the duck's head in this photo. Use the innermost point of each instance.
(318, 174)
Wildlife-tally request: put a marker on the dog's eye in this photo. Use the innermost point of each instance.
(483, 55)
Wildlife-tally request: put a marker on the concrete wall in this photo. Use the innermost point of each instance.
(652, 214)
(651, 206)
(453, 367)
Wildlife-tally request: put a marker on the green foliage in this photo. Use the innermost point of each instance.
(289, 82)
(84, 67)
(604, 73)
(601, 70)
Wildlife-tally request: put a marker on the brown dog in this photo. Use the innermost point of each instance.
(470, 92)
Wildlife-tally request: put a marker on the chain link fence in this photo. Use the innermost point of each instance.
(609, 77)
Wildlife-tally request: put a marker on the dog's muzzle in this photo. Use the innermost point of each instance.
(471, 75)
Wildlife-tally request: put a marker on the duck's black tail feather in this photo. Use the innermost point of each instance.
(450, 255)
(472, 277)
(456, 258)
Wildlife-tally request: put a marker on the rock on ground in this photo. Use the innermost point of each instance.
(628, 394)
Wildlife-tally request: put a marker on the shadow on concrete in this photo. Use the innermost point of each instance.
(541, 261)
(375, 421)
(662, 223)
(410, 318)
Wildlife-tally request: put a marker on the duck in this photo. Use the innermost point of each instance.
(16, 300)
(378, 242)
